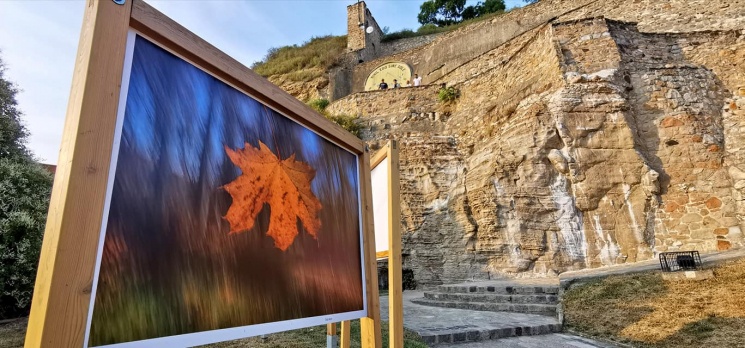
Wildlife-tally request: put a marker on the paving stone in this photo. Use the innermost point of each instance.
(447, 325)
(543, 341)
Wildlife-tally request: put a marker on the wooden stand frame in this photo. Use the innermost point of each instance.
(395, 286)
(61, 300)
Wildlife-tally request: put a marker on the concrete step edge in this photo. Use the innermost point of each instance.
(474, 335)
(509, 290)
(493, 297)
(544, 309)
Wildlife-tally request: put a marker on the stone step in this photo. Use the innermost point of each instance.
(492, 298)
(530, 308)
(470, 333)
(500, 289)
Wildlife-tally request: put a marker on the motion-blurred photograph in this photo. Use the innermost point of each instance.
(223, 212)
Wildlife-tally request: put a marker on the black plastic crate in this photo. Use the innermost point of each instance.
(680, 261)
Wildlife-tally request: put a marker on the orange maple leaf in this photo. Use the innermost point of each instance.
(283, 184)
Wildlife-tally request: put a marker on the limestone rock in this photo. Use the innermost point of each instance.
(580, 144)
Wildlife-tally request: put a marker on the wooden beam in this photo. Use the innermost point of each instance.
(369, 326)
(59, 309)
(395, 281)
(380, 155)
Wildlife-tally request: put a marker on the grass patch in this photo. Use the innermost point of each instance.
(314, 337)
(12, 336)
(319, 105)
(302, 62)
(645, 311)
(426, 29)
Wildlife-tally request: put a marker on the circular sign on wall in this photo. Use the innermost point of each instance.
(388, 72)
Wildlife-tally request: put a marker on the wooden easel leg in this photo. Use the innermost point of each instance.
(395, 286)
(346, 334)
(370, 325)
(331, 338)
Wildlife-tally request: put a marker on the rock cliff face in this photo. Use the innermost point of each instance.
(580, 141)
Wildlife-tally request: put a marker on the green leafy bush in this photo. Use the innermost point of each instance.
(24, 198)
(448, 94)
(347, 122)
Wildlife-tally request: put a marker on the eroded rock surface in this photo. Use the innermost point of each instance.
(581, 143)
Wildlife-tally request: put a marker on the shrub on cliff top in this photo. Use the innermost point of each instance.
(347, 122)
(319, 105)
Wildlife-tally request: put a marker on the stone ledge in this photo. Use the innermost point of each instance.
(688, 275)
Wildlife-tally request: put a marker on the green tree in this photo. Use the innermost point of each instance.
(12, 132)
(448, 12)
(483, 8)
(441, 12)
(24, 198)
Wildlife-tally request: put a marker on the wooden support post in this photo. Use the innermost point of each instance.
(346, 334)
(370, 325)
(59, 309)
(332, 340)
(395, 285)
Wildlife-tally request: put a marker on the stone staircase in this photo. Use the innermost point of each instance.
(531, 297)
(442, 326)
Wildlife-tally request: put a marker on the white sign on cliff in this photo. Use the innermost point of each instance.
(389, 71)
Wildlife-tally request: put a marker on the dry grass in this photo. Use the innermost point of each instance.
(302, 62)
(646, 311)
(12, 336)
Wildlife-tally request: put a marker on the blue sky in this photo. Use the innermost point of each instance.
(38, 40)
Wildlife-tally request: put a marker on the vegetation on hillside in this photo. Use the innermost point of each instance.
(311, 59)
(448, 94)
(645, 311)
(303, 62)
(347, 122)
(449, 12)
(431, 28)
(24, 198)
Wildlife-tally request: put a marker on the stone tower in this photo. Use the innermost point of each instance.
(360, 39)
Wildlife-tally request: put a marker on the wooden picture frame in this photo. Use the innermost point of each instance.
(388, 156)
(62, 295)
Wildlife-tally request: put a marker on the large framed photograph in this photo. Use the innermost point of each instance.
(222, 214)
(204, 204)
